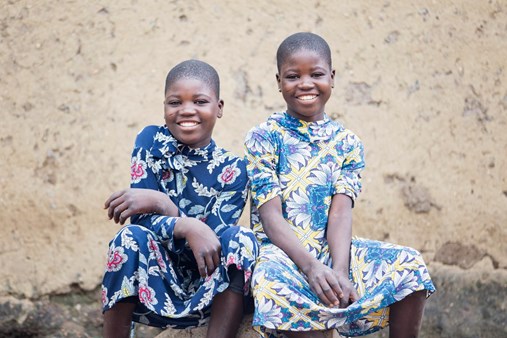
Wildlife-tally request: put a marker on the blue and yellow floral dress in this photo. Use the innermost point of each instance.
(146, 262)
(305, 164)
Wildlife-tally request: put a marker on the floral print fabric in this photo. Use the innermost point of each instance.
(145, 261)
(305, 164)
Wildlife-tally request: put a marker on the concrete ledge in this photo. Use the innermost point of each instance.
(245, 331)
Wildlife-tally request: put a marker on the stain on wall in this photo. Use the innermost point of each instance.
(422, 83)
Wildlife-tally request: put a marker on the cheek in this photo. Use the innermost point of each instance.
(287, 89)
(169, 119)
(168, 114)
(286, 96)
(211, 121)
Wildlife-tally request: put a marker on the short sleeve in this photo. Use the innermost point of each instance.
(349, 180)
(262, 160)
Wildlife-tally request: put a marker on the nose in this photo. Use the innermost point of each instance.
(187, 108)
(306, 82)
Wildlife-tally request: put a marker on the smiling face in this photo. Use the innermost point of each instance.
(305, 80)
(191, 109)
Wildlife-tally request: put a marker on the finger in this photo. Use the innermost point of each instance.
(344, 300)
(354, 296)
(125, 215)
(216, 258)
(216, 255)
(210, 265)
(113, 205)
(331, 295)
(337, 291)
(342, 292)
(201, 266)
(118, 211)
(322, 295)
(108, 201)
(113, 196)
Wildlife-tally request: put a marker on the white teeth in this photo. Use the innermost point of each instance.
(187, 124)
(307, 97)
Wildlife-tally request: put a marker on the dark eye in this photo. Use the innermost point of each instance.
(291, 76)
(201, 102)
(318, 74)
(173, 103)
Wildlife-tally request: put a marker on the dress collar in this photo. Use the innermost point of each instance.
(308, 131)
(177, 153)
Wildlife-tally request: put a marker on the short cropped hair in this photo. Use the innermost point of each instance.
(194, 69)
(303, 41)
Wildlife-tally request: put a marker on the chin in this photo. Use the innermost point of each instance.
(311, 115)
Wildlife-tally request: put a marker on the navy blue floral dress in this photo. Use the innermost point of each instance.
(147, 262)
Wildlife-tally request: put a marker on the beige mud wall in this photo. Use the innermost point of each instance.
(424, 84)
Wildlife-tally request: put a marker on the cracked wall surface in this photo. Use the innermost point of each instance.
(423, 84)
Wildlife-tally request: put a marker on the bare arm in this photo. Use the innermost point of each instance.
(203, 242)
(339, 236)
(153, 209)
(339, 232)
(280, 233)
(322, 279)
(123, 204)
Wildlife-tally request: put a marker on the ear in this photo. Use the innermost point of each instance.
(220, 108)
(333, 72)
(278, 80)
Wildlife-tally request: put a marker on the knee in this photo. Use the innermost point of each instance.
(230, 232)
(237, 234)
(417, 256)
(133, 232)
(243, 239)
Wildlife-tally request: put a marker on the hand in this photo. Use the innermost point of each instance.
(125, 203)
(332, 288)
(203, 242)
(349, 294)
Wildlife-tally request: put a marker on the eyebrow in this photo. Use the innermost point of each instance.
(294, 69)
(193, 95)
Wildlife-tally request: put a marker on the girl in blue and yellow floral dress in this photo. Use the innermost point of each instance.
(311, 276)
(183, 259)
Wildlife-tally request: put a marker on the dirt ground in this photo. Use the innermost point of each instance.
(423, 83)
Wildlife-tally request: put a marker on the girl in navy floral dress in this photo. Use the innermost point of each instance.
(183, 258)
(311, 275)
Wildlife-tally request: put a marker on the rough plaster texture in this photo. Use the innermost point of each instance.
(423, 83)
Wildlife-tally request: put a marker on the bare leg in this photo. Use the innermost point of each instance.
(308, 334)
(405, 316)
(117, 320)
(226, 315)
